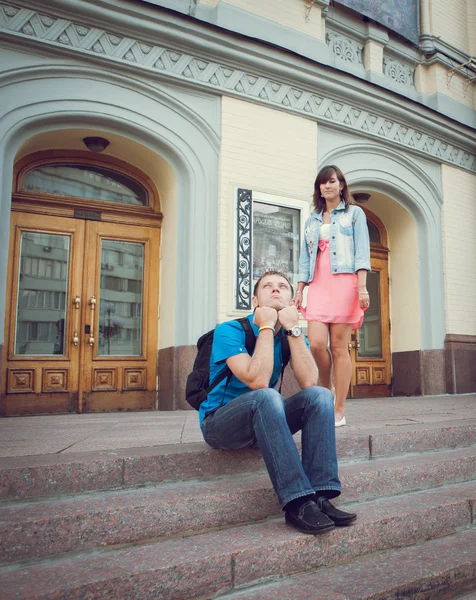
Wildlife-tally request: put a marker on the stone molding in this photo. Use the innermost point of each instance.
(455, 340)
(398, 71)
(344, 48)
(21, 24)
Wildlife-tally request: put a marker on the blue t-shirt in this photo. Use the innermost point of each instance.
(229, 340)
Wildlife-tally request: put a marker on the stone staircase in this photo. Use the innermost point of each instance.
(186, 521)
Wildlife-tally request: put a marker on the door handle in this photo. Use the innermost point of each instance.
(92, 303)
(76, 304)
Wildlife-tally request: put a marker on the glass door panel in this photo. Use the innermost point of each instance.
(370, 334)
(121, 298)
(42, 298)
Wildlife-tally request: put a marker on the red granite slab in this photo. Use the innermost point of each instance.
(49, 528)
(434, 569)
(381, 524)
(60, 474)
(52, 475)
(395, 475)
(422, 438)
(202, 565)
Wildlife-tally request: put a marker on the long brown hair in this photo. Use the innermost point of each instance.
(324, 175)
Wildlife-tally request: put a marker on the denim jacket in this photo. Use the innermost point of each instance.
(348, 242)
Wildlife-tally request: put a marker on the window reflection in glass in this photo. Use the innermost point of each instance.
(276, 239)
(121, 299)
(370, 334)
(42, 294)
(85, 181)
(374, 233)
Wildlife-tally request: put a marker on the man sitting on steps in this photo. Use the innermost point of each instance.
(247, 410)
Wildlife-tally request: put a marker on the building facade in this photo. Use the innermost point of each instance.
(157, 156)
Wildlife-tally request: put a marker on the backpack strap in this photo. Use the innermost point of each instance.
(285, 351)
(250, 338)
(250, 342)
(285, 356)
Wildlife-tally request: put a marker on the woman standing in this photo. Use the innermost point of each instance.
(334, 261)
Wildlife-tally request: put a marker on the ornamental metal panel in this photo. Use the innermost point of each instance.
(244, 236)
(400, 16)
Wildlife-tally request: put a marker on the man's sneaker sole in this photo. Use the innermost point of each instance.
(314, 531)
(344, 522)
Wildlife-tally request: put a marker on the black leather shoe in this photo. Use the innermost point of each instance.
(309, 519)
(339, 517)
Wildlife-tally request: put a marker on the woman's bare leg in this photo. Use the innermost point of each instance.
(318, 335)
(340, 337)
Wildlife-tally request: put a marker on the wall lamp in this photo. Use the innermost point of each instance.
(361, 198)
(96, 144)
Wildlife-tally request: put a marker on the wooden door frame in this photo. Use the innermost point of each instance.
(378, 252)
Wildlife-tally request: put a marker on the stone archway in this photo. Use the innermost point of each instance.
(416, 191)
(153, 118)
(179, 128)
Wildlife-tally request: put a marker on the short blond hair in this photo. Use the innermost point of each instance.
(255, 290)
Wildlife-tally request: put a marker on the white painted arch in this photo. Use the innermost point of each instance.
(41, 99)
(416, 186)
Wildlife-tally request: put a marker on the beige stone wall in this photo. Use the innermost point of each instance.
(459, 248)
(471, 7)
(291, 13)
(403, 272)
(435, 78)
(373, 57)
(449, 21)
(265, 150)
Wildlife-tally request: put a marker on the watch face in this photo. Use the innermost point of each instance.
(295, 331)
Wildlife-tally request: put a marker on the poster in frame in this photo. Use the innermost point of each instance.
(270, 230)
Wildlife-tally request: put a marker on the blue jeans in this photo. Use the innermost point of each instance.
(262, 417)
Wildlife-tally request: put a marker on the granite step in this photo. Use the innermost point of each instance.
(69, 473)
(50, 527)
(203, 565)
(439, 569)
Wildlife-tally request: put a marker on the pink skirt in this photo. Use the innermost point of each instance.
(332, 298)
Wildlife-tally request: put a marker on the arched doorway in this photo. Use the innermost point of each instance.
(83, 285)
(370, 345)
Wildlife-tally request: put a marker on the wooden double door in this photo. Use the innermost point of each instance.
(81, 330)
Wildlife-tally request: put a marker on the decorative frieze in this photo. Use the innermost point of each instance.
(398, 71)
(22, 23)
(345, 48)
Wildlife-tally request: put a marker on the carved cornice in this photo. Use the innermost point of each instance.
(19, 24)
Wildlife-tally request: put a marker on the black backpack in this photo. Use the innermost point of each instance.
(198, 386)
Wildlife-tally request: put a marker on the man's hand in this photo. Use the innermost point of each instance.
(288, 317)
(265, 316)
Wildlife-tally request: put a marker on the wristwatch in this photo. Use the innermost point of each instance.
(296, 331)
